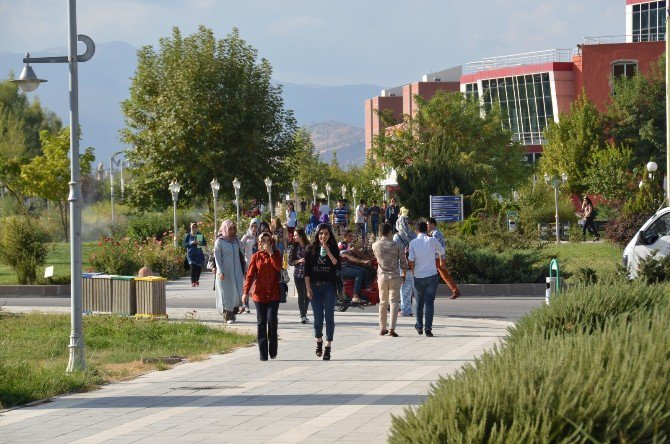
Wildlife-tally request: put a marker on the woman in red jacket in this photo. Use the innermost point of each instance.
(263, 282)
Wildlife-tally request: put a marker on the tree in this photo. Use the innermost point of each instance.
(201, 108)
(609, 172)
(48, 176)
(571, 142)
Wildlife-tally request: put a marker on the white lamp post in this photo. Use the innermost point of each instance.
(556, 182)
(328, 188)
(216, 186)
(314, 188)
(268, 185)
(28, 82)
(111, 179)
(174, 189)
(237, 184)
(295, 193)
(353, 195)
(344, 191)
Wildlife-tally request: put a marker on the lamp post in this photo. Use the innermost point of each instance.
(268, 185)
(174, 189)
(314, 188)
(215, 194)
(236, 185)
(100, 172)
(111, 178)
(556, 182)
(344, 191)
(328, 188)
(353, 195)
(295, 192)
(28, 82)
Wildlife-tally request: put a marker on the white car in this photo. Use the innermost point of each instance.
(652, 238)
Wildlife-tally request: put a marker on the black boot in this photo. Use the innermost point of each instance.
(326, 354)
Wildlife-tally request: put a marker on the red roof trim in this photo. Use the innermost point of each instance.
(516, 71)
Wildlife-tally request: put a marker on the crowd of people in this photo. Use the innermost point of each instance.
(385, 251)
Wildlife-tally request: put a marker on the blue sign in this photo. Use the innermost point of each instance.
(446, 208)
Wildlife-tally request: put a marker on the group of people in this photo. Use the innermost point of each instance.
(249, 268)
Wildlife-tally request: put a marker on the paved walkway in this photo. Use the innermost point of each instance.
(295, 398)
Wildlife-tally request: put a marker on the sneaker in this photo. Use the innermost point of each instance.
(230, 321)
(303, 320)
(306, 319)
(356, 299)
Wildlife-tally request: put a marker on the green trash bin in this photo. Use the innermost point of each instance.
(124, 299)
(151, 301)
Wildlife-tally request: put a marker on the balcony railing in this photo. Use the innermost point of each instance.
(529, 58)
(611, 39)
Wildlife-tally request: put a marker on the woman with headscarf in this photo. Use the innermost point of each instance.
(404, 235)
(249, 247)
(229, 271)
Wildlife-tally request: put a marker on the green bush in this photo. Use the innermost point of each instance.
(156, 225)
(163, 259)
(654, 269)
(23, 246)
(610, 386)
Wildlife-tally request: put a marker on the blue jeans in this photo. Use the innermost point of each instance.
(375, 226)
(406, 291)
(358, 273)
(425, 295)
(323, 305)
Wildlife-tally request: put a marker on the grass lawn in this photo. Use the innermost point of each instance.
(603, 257)
(59, 257)
(34, 354)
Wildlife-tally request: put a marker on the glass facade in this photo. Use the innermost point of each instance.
(472, 91)
(649, 22)
(527, 101)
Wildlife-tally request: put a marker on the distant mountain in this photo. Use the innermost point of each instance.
(105, 79)
(348, 142)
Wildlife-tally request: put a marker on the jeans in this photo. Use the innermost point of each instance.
(323, 305)
(375, 226)
(358, 273)
(303, 302)
(425, 295)
(266, 315)
(406, 291)
(195, 273)
(589, 223)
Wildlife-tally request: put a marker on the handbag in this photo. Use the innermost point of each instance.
(210, 261)
(283, 287)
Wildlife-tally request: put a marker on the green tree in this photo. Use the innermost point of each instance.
(201, 108)
(572, 141)
(48, 176)
(609, 172)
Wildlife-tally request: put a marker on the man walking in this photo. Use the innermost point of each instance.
(390, 260)
(392, 213)
(422, 252)
(440, 262)
(340, 218)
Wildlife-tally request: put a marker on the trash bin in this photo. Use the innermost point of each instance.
(124, 300)
(102, 293)
(151, 296)
(87, 291)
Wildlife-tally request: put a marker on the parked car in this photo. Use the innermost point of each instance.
(652, 239)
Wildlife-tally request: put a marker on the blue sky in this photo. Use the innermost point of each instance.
(333, 42)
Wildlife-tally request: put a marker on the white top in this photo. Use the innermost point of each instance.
(360, 214)
(291, 218)
(324, 209)
(422, 252)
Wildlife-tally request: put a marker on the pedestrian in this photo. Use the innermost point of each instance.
(374, 212)
(230, 268)
(263, 278)
(322, 262)
(360, 220)
(249, 241)
(422, 252)
(291, 221)
(392, 212)
(297, 261)
(440, 262)
(280, 235)
(312, 225)
(303, 206)
(324, 208)
(390, 259)
(194, 241)
(589, 215)
(340, 218)
(404, 235)
(353, 267)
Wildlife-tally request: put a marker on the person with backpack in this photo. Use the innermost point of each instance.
(589, 214)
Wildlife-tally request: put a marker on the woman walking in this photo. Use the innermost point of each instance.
(194, 241)
(230, 271)
(291, 221)
(263, 282)
(297, 261)
(589, 215)
(404, 235)
(279, 232)
(322, 261)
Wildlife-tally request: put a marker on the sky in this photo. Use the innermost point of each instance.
(334, 42)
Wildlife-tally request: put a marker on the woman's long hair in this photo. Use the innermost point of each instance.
(315, 247)
(300, 233)
(588, 200)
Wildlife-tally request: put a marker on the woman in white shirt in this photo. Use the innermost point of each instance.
(291, 221)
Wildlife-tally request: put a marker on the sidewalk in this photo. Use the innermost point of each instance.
(295, 398)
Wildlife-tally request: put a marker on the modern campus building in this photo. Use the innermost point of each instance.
(536, 88)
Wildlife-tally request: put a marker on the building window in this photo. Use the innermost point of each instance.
(527, 102)
(649, 21)
(471, 91)
(622, 68)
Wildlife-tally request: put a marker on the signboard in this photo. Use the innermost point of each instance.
(446, 208)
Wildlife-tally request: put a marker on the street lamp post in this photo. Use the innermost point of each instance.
(314, 188)
(28, 82)
(556, 182)
(353, 195)
(174, 189)
(236, 185)
(328, 188)
(344, 191)
(215, 193)
(268, 185)
(111, 179)
(295, 193)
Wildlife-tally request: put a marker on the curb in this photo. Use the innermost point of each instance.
(35, 291)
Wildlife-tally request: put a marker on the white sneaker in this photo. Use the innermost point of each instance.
(303, 320)
(230, 321)
(306, 319)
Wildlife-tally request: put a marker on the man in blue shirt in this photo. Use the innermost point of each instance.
(340, 218)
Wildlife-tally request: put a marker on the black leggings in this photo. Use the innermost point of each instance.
(195, 273)
(588, 223)
(303, 302)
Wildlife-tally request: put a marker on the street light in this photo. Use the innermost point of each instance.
(215, 193)
(174, 189)
(111, 178)
(314, 188)
(344, 191)
(28, 82)
(651, 168)
(328, 188)
(353, 195)
(268, 185)
(236, 185)
(295, 192)
(556, 182)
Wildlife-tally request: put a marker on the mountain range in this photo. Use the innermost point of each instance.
(332, 114)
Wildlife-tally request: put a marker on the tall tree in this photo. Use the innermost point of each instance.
(201, 108)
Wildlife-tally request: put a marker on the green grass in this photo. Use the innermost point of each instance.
(602, 257)
(34, 354)
(59, 257)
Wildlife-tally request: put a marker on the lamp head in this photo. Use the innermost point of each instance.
(652, 167)
(216, 186)
(328, 188)
(295, 184)
(268, 182)
(236, 184)
(175, 186)
(344, 188)
(28, 81)
(353, 190)
(564, 177)
(546, 177)
(314, 187)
